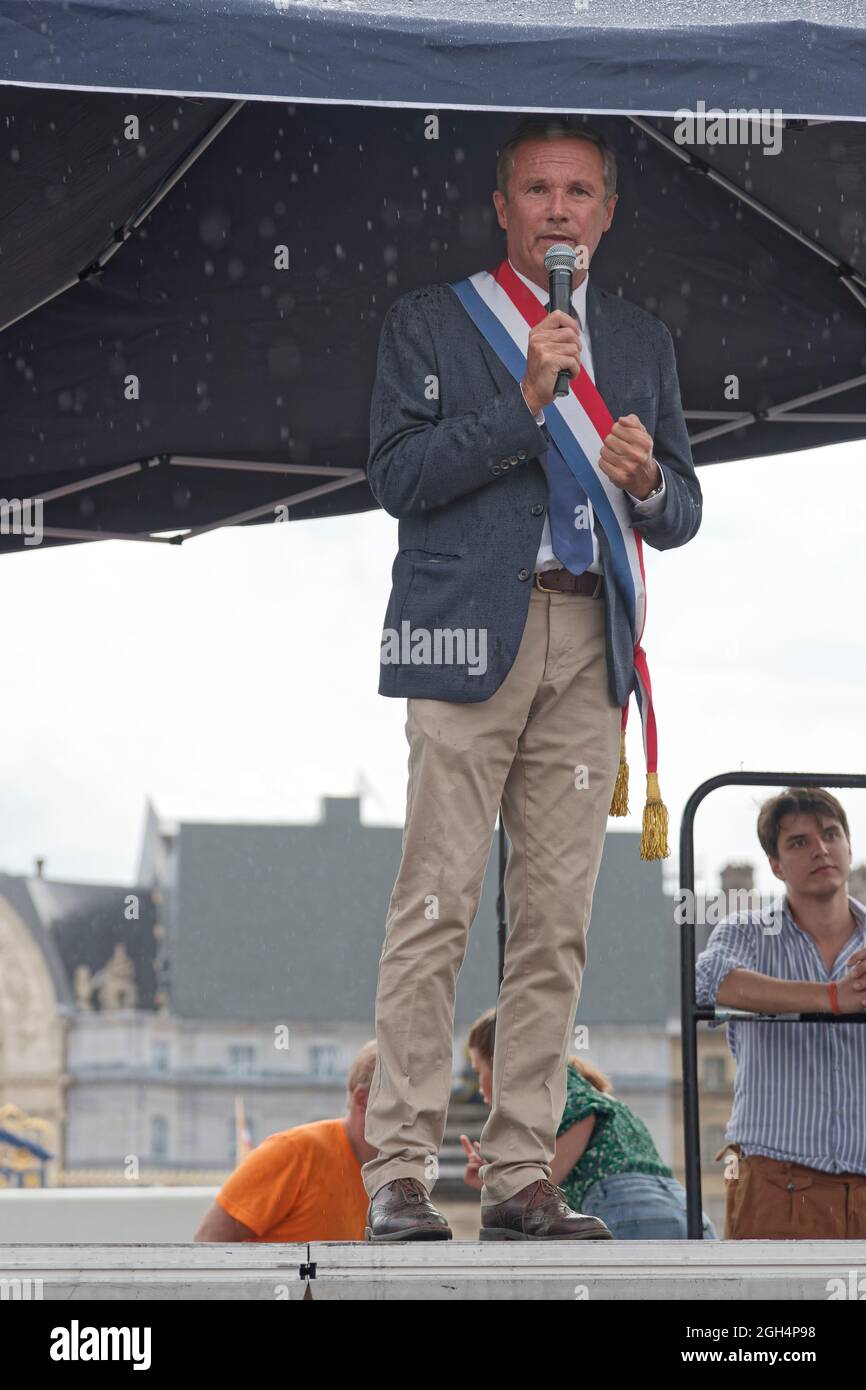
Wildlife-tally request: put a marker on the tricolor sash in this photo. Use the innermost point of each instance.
(504, 309)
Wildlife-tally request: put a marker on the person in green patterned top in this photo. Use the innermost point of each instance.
(605, 1162)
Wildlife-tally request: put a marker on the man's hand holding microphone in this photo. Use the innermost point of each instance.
(554, 345)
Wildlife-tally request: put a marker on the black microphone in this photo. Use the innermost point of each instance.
(559, 262)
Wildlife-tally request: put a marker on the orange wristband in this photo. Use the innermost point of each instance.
(834, 998)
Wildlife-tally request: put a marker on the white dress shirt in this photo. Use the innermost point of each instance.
(547, 558)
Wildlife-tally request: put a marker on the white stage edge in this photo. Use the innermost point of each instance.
(453, 1270)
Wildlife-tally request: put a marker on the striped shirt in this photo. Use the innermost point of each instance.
(800, 1092)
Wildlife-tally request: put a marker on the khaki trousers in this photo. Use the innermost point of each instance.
(546, 746)
(769, 1199)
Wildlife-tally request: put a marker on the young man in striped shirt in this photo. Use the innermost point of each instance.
(798, 1125)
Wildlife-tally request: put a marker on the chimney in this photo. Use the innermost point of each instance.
(857, 883)
(341, 811)
(738, 877)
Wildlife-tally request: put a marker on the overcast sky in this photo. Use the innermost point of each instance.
(235, 677)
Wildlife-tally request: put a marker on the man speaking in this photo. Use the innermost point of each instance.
(521, 516)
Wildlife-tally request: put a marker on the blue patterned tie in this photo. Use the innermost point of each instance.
(568, 507)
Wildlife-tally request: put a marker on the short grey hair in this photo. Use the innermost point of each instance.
(540, 127)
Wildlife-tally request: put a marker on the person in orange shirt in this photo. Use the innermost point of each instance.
(303, 1183)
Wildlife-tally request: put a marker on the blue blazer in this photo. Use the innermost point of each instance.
(454, 454)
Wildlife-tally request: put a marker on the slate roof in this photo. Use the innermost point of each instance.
(80, 924)
(288, 921)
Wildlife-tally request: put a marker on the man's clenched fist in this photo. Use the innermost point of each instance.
(627, 457)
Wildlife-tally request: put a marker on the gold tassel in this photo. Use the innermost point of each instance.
(619, 800)
(654, 839)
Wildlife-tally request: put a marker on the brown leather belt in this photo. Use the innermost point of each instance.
(562, 581)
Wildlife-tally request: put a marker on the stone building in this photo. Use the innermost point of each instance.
(243, 963)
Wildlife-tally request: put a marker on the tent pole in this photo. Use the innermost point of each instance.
(122, 234)
(348, 477)
(846, 272)
(165, 186)
(501, 932)
(850, 278)
(254, 466)
(819, 419)
(291, 501)
(779, 413)
(96, 480)
(69, 533)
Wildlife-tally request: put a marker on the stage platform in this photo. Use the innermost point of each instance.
(455, 1270)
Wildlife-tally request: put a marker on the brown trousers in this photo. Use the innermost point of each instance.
(545, 745)
(767, 1199)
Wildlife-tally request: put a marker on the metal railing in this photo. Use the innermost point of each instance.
(692, 1012)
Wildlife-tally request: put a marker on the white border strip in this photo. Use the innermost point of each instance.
(431, 106)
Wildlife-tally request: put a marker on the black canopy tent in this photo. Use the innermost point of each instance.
(192, 285)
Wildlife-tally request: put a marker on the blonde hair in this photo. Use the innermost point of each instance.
(361, 1070)
(481, 1039)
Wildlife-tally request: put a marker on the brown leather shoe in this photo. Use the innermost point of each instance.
(539, 1212)
(402, 1210)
